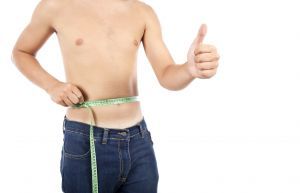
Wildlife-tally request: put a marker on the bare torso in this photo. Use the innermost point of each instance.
(99, 41)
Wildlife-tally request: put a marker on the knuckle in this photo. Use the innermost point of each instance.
(216, 64)
(206, 74)
(215, 57)
(68, 87)
(61, 96)
(197, 50)
(65, 89)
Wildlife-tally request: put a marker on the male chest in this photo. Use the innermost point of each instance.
(99, 26)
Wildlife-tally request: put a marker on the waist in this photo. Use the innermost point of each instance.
(107, 114)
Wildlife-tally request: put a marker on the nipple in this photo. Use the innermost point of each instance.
(135, 42)
(79, 42)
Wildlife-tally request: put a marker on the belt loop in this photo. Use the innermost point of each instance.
(105, 134)
(141, 130)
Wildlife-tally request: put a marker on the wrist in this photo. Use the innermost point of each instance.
(51, 85)
(186, 68)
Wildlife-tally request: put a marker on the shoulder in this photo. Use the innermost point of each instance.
(47, 5)
(145, 8)
(147, 12)
(46, 12)
(47, 9)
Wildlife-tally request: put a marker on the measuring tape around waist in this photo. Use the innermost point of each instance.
(101, 102)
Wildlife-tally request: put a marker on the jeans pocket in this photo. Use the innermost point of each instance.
(76, 145)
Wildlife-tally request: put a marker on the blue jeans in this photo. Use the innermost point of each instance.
(126, 161)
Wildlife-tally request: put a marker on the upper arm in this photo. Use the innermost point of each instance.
(154, 46)
(38, 30)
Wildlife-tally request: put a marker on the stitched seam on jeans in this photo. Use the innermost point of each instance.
(134, 135)
(84, 156)
(120, 161)
(129, 157)
(80, 133)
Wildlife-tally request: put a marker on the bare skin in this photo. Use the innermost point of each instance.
(99, 41)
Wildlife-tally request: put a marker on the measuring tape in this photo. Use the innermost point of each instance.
(101, 102)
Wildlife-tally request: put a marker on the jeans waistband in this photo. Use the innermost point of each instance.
(81, 127)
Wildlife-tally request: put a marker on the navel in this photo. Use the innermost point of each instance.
(79, 41)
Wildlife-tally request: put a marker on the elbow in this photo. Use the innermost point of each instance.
(15, 55)
(18, 54)
(15, 58)
(170, 86)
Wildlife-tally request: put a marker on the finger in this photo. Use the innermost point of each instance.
(78, 93)
(67, 101)
(61, 102)
(207, 65)
(206, 57)
(207, 73)
(73, 98)
(201, 34)
(204, 48)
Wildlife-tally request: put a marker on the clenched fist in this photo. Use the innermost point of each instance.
(65, 94)
(202, 59)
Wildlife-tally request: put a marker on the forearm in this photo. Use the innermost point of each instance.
(29, 66)
(176, 77)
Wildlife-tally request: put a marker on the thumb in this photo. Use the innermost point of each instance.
(201, 34)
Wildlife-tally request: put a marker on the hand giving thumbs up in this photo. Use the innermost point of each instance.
(202, 59)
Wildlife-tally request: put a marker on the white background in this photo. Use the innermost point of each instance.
(237, 132)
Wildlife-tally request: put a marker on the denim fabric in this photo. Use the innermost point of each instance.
(126, 161)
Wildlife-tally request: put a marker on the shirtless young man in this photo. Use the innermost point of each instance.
(99, 41)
